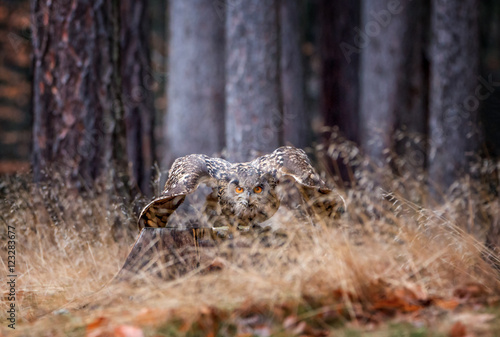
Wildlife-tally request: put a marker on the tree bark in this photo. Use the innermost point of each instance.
(137, 86)
(195, 93)
(412, 117)
(296, 118)
(386, 40)
(15, 87)
(339, 67)
(78, 112)
(253, 98)
(453, 99)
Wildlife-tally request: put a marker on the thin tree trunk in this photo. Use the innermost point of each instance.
(253, 103)
(453, 100)
(137, 84)
(195, 112)
(340, 67)
(78, 114)
(296, 118)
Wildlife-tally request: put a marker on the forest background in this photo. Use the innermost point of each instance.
(105, 95)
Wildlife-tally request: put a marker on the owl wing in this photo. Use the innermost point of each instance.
(183, 179)
(290, 162)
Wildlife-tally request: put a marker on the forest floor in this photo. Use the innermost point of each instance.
(387, 268)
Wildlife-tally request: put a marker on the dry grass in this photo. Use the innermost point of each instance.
(387, 254)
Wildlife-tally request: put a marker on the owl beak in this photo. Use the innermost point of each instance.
(245, 201)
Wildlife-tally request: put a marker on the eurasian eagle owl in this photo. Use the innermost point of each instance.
(244, 194)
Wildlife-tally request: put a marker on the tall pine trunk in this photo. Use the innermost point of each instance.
(137, 84)
(253, 99)
(390, 47)
(78, 112)
(454, 102)
(296, 118)
(339, 65)
(195, 93)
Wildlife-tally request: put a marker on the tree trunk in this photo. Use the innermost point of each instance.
(296, 118)
(253, 98)
(137, 84)
(386, 42)
(453, 99)
(195, 112)
(15, 87)
(339, 65)
(78, 113)
(413, 116)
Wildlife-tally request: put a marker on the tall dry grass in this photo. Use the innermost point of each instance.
(70, 247)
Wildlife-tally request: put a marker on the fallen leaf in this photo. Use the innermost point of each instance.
(446, 304)
(128, 331)
(458, 330)
(470, 290)
(403, 299)
(97, 323)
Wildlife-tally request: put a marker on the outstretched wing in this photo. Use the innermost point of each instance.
(290, 162)
(183, 179)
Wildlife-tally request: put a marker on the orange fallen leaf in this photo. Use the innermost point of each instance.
(403, 299)
(446, 304)
(97, 323)
(458, 330)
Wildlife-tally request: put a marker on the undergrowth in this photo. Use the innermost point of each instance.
(390, 255)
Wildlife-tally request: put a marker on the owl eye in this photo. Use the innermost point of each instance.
(239, 189)
(257, 189)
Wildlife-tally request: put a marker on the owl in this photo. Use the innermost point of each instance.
(243, 194)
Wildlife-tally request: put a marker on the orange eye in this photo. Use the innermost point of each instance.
(239, 190)
(257, 189)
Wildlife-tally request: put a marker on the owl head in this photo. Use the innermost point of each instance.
(247, 196)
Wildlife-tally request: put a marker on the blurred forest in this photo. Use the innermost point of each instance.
(119, 86)
(396, 102)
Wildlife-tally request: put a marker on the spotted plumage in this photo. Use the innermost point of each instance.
(243, 193)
